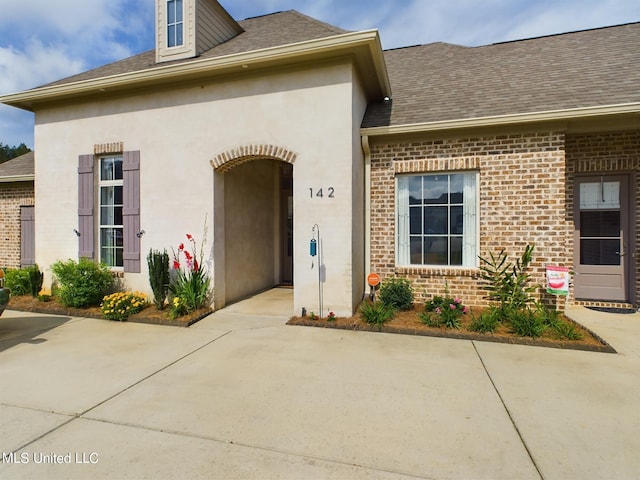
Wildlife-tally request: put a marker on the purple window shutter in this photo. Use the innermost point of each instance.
(131, 210)
(85, 206)
(27, 236)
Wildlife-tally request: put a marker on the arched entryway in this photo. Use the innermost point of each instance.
(253, 221)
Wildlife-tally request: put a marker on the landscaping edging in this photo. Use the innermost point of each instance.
(532, 342)
(51, 308)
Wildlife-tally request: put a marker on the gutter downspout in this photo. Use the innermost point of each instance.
(366, 148)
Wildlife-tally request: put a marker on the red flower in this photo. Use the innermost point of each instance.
(176, 265)
(181, 247)
(188, 255)
(189, 237)
(195, 266)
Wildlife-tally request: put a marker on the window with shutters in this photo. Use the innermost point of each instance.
(111, 236)
(109, 208)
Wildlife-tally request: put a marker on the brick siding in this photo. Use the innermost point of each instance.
(522, 201)
(12, 197)
(609, 152)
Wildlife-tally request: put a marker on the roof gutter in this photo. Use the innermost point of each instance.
(18, 178)
(310, 49)
(511, 119)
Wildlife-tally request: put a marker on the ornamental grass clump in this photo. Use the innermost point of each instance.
(376, 313)
(191, 283)
(120, 305)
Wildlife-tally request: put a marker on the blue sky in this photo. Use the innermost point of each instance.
(42, 41)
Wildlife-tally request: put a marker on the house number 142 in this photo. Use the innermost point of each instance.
(330, 193)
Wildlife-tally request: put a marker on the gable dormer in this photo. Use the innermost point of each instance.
(186, 28)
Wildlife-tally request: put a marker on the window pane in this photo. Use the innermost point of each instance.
(599, 252)
(436, 250)
(436, 220)
(171, 11)
(457, 221)
(171, 36)
(415, 220)
(601, 223)
(457, 188)
(456, 251)
(111, 246)
(178, 10)
(415, 245)
(415, 190)
(436, 189)
(111, 169)
(179, 39)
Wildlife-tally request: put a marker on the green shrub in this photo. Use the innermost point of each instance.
(25, 281)
(486, 322)
(82, 284)
(397, 293)
(376, 313)
(158, 263)
(17, 280)
(119, 305)
(36, 277)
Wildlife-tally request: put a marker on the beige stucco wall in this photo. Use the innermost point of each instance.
(178, 132)
(250, 229)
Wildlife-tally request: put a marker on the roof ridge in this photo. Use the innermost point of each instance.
(328, 26)
(561, 34)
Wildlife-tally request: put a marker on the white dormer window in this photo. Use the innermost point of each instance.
(175, 23)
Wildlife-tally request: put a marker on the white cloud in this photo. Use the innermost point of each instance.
(35, 65)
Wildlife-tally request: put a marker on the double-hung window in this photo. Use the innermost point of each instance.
(175, 23)
(111, 211)
(436, 219)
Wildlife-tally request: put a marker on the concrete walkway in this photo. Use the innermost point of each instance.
(240, 395)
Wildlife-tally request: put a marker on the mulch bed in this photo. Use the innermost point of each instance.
(150, 314)
(408, 323)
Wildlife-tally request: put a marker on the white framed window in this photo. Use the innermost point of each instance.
(437, 219)
(175, 23)
(111, 186)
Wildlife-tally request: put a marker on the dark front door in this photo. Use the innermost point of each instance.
(602, 237)
(286, 229)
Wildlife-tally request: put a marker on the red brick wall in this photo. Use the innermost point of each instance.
(522, 201)
(12, 197)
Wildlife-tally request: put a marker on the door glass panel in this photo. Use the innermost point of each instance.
(601, 223)
(597, 195)
(599, 252)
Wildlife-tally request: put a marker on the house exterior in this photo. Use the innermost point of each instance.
(281, 131)
(17, 222)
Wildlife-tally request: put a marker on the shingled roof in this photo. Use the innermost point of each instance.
(22, 166)
(273, 30)
(439, 81)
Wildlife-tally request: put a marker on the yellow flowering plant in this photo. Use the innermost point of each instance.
(177, 308)
(119, 305)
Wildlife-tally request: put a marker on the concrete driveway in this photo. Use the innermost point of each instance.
(241, 395)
